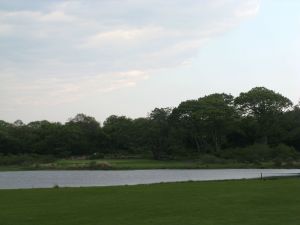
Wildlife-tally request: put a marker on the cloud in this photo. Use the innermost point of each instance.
(56, 91)
(130, 36)
(58, 51)
(19, 17)
(5, 29)
(249, 8)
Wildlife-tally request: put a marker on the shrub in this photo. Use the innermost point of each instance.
(261, 153)
(207, 159)
(97, 155)
(24, 159)
(285, 153)
(250, 154)
(94, 165)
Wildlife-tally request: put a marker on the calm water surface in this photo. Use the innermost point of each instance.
(46, 179)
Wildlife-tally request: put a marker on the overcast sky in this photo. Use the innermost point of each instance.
(126, 57)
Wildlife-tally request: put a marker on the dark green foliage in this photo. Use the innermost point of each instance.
(158, 131)
(258, 125)
(261, 102)
(119, 132)
(207, 121)
(250, 154)
(7, 160)
(265, 107)
(284, 153)
(260, 153)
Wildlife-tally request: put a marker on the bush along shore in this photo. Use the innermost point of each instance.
(26, 162)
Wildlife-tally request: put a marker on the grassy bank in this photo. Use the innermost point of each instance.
(130, 164)
(244, 202)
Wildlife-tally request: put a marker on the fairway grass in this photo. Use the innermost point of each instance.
(243, 202)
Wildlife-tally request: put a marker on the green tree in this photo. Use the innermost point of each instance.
(291, 128)
(83, 135)
(264, 106)
(217, 115)
(119, 131)
(158, 131)
(207, 120)
(184, 119)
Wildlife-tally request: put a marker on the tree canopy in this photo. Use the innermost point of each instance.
(217, 124)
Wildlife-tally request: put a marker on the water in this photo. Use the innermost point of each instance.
(46, 179)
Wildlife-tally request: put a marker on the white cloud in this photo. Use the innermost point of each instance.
(130, 36)
(57, 16)
(5, 29)
(56, 91)
(59, 50)
(249, 8)
(19, 17)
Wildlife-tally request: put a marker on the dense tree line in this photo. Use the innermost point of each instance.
(255, 126)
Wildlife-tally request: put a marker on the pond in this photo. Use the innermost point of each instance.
(46, 179)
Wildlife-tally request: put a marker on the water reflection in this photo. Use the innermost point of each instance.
(44, 179)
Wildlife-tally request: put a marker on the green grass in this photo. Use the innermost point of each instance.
(243, 202)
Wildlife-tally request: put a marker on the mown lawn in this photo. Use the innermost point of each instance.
(244, 202)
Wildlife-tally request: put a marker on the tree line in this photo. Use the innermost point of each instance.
(257, 125)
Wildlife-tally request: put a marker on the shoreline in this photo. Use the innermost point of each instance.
(93, 178)
(142, 164)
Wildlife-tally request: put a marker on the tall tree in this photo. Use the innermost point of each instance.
(291, 127)
(184, 119)
(264, 106)
(83, 135)
(217, 115)
(206, 119)
(159, 131)
(119, 131)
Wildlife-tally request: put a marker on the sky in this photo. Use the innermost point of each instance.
(126, 57)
